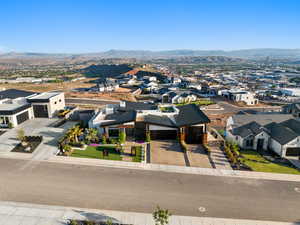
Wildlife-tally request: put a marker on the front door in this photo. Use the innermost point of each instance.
(260, 144)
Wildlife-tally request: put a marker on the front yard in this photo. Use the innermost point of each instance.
(96, 152)
(258, 163)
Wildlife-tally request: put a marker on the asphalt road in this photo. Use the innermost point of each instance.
(88, 101)
(141, 191)
(229, 108)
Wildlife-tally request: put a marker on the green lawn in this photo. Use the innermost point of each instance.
(97, 153)
(257, 163)
(198, 102)
(138, 154)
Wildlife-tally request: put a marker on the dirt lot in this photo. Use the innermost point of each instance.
(120, 94)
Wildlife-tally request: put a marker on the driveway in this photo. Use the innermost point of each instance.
(34, 127)
(167, 152)
(198, 157)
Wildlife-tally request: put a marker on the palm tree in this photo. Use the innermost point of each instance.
(74, 133)
(91, 134)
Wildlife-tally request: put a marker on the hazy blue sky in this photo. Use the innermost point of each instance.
(98, 25)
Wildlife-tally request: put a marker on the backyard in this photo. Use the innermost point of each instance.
(257, 163)
(96, 152)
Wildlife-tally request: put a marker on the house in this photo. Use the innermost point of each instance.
(240, 96)
(178, 97)
(293, 109)
(106, 86)
(136, 119)
(279, 134)
(17, 106)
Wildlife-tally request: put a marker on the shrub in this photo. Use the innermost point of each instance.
(138, 154)
(148, 137)
(21, 134)
(10, 125)
(113, 140)
(161, 216)
(122, 137)
(104, 139)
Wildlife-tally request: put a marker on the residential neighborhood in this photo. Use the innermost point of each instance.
(177, 112)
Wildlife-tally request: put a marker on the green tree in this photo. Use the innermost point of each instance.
(21, 134)
(91, 135)
(74, 133)
(122, 137)
(161, 216)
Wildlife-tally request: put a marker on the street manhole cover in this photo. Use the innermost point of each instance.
(202, 209)
(297, 189)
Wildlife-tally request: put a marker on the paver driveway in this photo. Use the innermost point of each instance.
(166, 152)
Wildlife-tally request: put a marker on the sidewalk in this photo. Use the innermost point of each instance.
(13, 213)
(175, 169)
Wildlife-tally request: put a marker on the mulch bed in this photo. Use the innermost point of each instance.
(33, 142)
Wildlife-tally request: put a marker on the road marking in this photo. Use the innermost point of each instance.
(297, 189)
(202, 209)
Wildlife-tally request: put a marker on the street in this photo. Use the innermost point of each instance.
(140, 191)
(89, 101)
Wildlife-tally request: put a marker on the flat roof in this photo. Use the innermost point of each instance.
(46, 95)
(9, 107)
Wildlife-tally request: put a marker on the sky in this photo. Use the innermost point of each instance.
(80, 26)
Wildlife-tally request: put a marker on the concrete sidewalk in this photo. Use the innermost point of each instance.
(175, 169)
(13, 213)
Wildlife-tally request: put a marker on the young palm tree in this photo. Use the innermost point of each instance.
(91, 134)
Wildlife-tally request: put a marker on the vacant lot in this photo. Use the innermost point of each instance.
(259, 164)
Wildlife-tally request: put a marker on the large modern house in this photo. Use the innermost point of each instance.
(17, 106)
(186, 122)
(279, 133)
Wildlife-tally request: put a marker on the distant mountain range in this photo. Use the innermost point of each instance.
(246, 54)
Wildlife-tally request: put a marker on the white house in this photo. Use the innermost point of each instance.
(17, 106)
(282, 137)
(240, 96)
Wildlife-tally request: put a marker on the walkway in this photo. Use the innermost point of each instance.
(217, 156)
(13, 213)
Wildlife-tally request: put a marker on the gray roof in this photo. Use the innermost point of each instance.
(130, 106)
(190, 115)
(262, 119)
(159, 120)
(292, 124)
(251, 128)
(280, 133)
(15, 93)
(119, 118)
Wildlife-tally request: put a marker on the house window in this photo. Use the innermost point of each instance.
(249, 143)
(4, 120)
(236, 138)
(59, 100)
(55, 103)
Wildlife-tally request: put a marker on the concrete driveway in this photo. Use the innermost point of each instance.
(34, 127)
(167, 152)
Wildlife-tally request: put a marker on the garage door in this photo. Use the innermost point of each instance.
(22, 117)
(40, 111)
(292, 151)
(163, 134)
